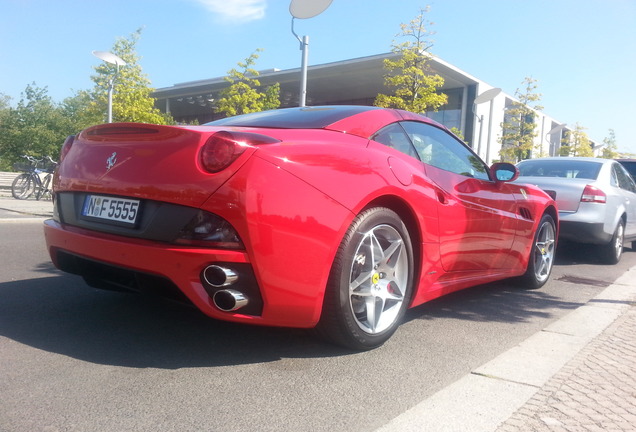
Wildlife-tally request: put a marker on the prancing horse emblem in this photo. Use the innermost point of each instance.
(111, 161)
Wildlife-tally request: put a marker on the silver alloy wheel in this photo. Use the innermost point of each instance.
(618, 240)
(378, 279)
(544, 251)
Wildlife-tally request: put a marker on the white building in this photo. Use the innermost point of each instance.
(358, 82)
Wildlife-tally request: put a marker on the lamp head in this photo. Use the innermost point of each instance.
(303, 9)
(109, 57)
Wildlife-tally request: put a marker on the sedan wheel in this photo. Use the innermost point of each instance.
(542, 254)
(370, 283)
(612, 252)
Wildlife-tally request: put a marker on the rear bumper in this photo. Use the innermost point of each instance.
(584, 232)
(93, 254)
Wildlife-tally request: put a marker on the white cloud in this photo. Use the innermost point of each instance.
(236, 10)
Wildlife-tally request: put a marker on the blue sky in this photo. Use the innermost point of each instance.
(582, 52)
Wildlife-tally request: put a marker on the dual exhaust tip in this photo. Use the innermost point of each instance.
(225, 299)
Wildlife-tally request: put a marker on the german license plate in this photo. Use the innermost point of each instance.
(113, 209)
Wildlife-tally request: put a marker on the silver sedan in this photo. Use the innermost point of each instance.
(596, 200)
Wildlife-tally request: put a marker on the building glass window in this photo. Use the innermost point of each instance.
(450, 115)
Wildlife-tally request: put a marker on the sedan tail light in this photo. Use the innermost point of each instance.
(224, 147)
(593, 194)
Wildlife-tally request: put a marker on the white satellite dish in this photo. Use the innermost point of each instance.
(487, 96)
(556, 129)
(109, 57)
(303, 9)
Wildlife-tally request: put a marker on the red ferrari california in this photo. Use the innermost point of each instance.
(337, 218)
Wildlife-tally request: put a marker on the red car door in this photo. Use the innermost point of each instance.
(477, 217)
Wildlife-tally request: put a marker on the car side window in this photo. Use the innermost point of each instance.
(395, 137)
(624, 180)
(440, 149)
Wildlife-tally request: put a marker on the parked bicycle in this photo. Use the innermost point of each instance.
(34, 180)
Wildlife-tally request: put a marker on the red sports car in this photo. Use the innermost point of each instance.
(336, 218)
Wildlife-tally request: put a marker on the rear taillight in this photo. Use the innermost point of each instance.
(66, 147)
(594, 195)
(223, 148)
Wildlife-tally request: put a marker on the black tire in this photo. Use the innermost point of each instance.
(541, 259)
(612, 252)
(373, 267)
(23, 186)
(42, 190)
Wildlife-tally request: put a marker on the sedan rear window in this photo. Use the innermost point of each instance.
(559, 168)
(630, 166)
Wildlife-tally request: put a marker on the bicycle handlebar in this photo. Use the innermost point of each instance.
(36, 161)
(32, 159)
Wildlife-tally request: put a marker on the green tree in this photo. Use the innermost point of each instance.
(244, 94)
(410, 78)
(458, 133)
(131, 97)
(564, 150)
(36, 126)
(79, 108)
(577, 143)
(610, 148)
(519, 127)
(4, 101)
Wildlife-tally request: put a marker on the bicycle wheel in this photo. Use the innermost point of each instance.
(43, 190)
(23, 186)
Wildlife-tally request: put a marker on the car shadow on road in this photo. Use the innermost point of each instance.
(59, 313)
(569, 253)
(498, 302)
(505, 301)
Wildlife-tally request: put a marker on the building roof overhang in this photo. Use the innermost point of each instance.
(348, 80)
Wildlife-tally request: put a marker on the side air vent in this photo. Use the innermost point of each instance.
(525, 213)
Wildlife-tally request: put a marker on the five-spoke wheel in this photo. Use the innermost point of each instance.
(379, 279)
(541, 257)
(370, 283)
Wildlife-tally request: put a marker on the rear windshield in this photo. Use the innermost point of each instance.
(293, 118)
(559, 168)
(630, 166)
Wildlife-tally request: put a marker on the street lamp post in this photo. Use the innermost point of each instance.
(486, 96)
(111, 58)
(303, 9)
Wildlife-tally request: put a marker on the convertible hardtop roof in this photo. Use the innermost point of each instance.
(295, 118)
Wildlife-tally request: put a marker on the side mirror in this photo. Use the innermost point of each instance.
(504, 172)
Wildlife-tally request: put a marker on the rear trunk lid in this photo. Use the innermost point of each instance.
(567, 192)
(143, 161)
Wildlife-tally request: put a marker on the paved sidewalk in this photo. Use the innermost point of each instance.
(595, 391)
(24, 208)
(20, 208)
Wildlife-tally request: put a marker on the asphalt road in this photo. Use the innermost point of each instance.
(73, 358)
